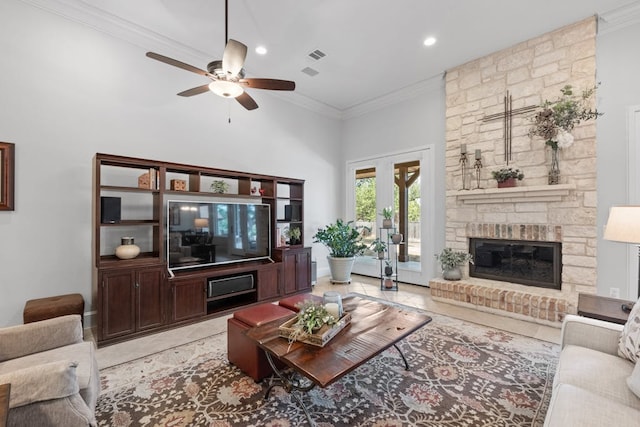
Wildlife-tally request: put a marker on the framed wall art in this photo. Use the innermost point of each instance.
(7, 174)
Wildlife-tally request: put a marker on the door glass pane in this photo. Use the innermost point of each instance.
(408, 211)
(365, 198)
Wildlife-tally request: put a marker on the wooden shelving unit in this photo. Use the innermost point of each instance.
(138, 296)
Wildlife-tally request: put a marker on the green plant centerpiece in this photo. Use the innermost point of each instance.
(507, 176)
(311, 317)
(450, 262)
(344, 242)
(556, 119)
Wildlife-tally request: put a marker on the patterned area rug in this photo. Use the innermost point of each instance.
(462, 374)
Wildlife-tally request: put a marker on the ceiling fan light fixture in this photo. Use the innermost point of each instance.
(429, 41)
(226, 89)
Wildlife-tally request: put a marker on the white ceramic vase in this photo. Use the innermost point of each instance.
(127, 250)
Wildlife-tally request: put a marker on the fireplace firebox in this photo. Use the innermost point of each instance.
(526, 262)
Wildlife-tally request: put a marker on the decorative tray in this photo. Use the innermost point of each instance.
(319, 338)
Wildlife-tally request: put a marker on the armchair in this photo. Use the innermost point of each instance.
(53, 373)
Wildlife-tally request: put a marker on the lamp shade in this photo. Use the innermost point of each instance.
(623, 224)
(201, 222)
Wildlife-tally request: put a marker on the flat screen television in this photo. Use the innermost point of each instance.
(209, 233)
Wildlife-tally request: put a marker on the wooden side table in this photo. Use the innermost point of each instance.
(603, 308)
(5, 390)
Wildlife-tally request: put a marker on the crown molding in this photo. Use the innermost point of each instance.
(619, 18)
(406, 93)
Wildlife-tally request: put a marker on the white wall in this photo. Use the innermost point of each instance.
(69, 91)
(618, 68)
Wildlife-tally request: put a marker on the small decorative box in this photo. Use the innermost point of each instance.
(144, 180)
(321, 337)
(178, 185)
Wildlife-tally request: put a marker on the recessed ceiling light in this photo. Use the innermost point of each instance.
(261, 50)
(429, 41)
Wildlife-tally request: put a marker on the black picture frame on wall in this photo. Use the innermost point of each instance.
(7, 175)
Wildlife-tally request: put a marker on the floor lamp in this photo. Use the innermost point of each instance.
(623, 225)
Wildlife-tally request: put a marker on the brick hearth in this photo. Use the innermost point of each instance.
(520, 302)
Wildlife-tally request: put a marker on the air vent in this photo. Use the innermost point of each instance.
(317, 54)
(310, 71)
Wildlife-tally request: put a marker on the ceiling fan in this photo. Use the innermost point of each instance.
(227, 75)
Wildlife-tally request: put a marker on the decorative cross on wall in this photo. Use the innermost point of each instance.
(507, 117)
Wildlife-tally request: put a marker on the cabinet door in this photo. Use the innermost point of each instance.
(189, 299)
(303, 270)
(289, 266)
(269, 282)
(118, 303)
(150, 298)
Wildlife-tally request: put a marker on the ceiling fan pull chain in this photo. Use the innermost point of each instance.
(229, 109)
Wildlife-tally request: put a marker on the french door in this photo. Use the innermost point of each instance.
(402, 181)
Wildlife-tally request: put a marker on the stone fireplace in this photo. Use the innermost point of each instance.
(533, 211)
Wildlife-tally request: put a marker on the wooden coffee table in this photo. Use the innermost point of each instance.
(375, 326)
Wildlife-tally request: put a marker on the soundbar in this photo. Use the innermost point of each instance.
(229, 285)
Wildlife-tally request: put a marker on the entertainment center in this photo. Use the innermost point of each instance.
(203, 252)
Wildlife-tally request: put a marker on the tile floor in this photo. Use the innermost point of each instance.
(412, 295)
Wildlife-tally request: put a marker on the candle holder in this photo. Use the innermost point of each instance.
(463, 161)
(478, 166)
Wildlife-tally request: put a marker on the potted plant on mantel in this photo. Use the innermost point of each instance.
(507, 177)
(344, 242)
(450, 262)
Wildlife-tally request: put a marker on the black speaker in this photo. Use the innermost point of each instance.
(229, 285)
(109, 210)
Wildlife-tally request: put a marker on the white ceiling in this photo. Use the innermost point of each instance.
(373, 47)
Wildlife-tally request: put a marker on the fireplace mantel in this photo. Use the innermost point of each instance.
(537, 193)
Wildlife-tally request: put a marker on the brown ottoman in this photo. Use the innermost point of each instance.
(46, 308)
(243, 352)
(290, 302)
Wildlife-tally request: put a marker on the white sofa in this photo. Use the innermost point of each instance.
(590, 385)
(52, 371)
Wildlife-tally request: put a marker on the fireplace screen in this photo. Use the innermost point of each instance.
(517, 261)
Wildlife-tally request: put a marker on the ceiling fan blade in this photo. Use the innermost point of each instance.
(195, 91)
(247, 101)
(177, 63)
(272, 84)
(233, 57)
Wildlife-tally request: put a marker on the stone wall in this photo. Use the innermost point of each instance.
(531, 71)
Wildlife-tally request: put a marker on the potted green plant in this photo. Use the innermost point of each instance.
(219, 186)
(388, 272)
(507, 177)
(450, 262)
(378, 246)
(388, 268)
(344, 242)
(387, 217)
(293, 234)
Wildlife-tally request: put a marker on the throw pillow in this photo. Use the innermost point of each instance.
(634, 380)
(629, 343)
(37, 383)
